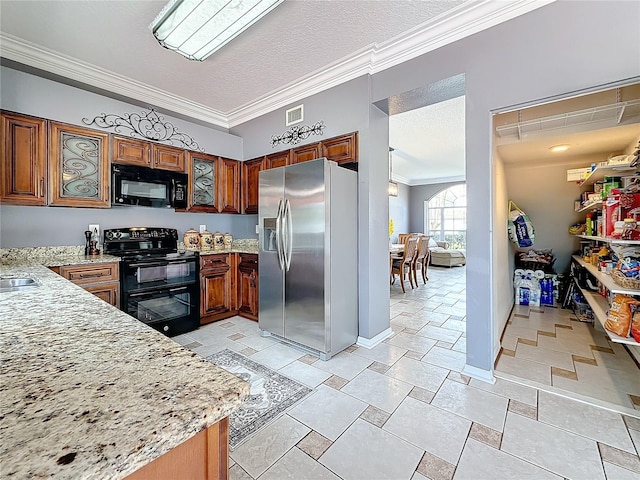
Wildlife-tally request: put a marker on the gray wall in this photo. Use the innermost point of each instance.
(42, 226)
(560, 48)
(399, 211)
(343, 109)
(417, 196)
(38, 226)
(542, 191)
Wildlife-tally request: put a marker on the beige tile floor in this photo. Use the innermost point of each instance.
(551, 350)
(403, 410)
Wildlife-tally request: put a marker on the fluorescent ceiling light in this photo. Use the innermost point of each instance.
(197, 28)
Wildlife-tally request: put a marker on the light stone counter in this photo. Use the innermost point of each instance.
(52, 256)
(86, 391)
(239, 246)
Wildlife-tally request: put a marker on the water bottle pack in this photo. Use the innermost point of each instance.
(532, 288)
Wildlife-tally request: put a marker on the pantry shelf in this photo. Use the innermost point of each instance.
(616, 241)
(600, 306)
(604, 278)
(600, 172)
(590, 206)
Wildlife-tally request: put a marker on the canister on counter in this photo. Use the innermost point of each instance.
(206, 240)
(191, 239)
(228, 240)
(218, 241)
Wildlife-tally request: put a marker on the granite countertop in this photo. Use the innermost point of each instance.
(52, 256)
(86, 391)
(246, 245)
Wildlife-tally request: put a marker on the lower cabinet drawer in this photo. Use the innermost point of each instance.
(101, 279)
(93, 273)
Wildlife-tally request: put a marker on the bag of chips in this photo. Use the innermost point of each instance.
(620, 313)
(635, 326)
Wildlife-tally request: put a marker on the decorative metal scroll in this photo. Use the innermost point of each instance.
(203, 182)
(148, 125)
(297, 133)
(80, 166)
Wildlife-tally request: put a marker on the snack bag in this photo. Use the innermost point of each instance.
(619, 316)
(635, 326)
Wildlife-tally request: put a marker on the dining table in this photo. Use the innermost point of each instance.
(396, 249)
(395, 252)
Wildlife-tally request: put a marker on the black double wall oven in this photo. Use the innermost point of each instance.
(158, 285)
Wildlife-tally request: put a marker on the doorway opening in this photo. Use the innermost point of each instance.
(557, 347)
(427, 135)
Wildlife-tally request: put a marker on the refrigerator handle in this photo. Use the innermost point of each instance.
(279, 236)
(289, 228)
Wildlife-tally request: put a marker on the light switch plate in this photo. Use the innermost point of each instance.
(202, 228)
(257, 228)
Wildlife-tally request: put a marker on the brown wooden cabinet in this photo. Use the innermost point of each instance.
(343, 149)
(101, 279)
(203, 177)
(248, 285)
(305, 153)
(228, 185)
(204, 456)
(24, 160)
(249, 184)
(132, 151)
(168, 158)
(78, 167)
(276, 160)
(217, 292)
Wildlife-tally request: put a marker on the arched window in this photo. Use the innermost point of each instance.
(446, 216)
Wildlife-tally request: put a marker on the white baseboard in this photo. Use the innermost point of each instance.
(372, 342)
(479, 374)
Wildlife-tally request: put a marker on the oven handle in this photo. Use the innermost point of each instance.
(177, 289)
(149, 264)
(162, 263)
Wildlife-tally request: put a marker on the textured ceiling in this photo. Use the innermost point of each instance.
(108, 44)
(297, 38)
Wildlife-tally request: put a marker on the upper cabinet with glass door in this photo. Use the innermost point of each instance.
(78, 167)
(202, 170)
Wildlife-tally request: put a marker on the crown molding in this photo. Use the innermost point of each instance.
(453, 25)
(27, 53)
(433, 181)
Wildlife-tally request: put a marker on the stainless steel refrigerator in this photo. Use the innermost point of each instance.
(308, 261)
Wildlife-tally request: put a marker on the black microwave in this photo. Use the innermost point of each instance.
(148, 187)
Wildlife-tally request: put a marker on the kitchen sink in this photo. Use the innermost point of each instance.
(17, 283)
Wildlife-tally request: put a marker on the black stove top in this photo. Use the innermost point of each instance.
(142, 242)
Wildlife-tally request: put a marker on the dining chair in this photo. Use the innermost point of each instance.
(402, 265)
(402, 237)
(421, 259)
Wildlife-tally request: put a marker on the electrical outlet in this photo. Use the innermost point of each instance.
(202, 228)
(95, 232)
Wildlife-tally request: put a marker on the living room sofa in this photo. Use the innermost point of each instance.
(442, 256)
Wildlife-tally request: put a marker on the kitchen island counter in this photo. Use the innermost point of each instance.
(87, 391)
